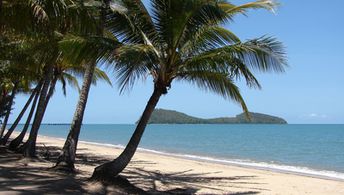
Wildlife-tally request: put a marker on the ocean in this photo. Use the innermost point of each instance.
(316, 150)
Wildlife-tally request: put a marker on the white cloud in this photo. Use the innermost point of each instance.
(314, 116)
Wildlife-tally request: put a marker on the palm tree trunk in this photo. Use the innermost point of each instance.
(29, 148)
(109, 170)
(4, 124)
(67, 159)
(19, 139)
(14, 125)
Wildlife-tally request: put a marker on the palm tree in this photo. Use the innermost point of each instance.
(69, 148)
(67, 157)
(13, 78)
(182, 40)
(39, 21)
(9, 108)
(61, 16)
(23, 72)
(20, 68)
(14, 144)
(64, 72)
(49, 20)
(22, 112)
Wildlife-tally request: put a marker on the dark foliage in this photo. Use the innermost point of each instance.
(162, 116)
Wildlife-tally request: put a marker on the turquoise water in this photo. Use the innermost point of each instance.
(302, 148)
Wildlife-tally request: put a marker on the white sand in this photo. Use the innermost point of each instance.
(160, 172)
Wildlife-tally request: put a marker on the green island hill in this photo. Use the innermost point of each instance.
(163, 116)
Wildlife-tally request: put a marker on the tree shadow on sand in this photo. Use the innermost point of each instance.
(24, 179)
(35, 176)
(187, 182)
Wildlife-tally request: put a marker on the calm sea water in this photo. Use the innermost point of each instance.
(313, 149)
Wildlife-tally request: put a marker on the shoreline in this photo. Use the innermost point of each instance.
(249, 165)
(277, 168)
(152, 171)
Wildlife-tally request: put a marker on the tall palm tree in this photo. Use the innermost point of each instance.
(46, 20)
(22, 112)
(61, 16)
(14, 144)
(20, 66)
(13, 79)
(23, 68)
(63, 71)
(9, 108)
(41, 20)
(67, 157)
(182, 40)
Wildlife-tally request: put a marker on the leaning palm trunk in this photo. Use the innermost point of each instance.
(111, 169)
(29, 148)
(14, 125)
(193, 47)
(4, 124)
(67, 158)
(19, 139)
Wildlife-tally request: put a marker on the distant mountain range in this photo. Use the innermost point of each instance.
(162, 116)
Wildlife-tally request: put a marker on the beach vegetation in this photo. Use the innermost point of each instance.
(46, 41)
(184, 41)
(163, 116)
(46, 23)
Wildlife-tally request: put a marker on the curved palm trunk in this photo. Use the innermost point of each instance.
(29, 148)
(67, 159)
(4, 124)
(14, 125)
(14, 144)
(111, 169)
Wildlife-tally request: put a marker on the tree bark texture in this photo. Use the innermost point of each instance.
(30, 145)
(14, 144)
(67, 159)
(16, 122)
(4, 124)
(109, 170)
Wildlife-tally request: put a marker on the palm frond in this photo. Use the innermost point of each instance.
(79, 49)
(217, 82)
(209, 37)
(100, 75)
(232, 10)
(64, 85)
(72, 81)
(122, 26)
(83, 17)
(178, 20)
(142, 19)
(38, 11)
(262, 54)
(238, 70)
(134, 62)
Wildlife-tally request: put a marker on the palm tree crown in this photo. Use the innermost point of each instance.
(184, 41)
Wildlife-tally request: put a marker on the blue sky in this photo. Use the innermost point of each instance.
(311, 90)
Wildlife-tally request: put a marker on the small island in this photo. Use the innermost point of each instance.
(163, 116)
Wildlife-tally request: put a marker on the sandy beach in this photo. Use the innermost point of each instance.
(158, 174)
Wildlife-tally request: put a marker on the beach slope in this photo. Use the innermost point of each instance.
(151, 173)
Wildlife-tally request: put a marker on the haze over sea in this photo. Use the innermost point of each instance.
(305, 149)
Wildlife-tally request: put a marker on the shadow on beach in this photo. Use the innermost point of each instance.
(34, 176)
